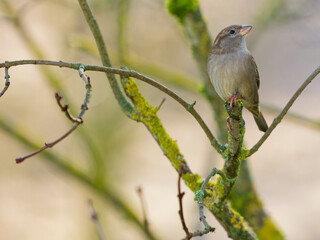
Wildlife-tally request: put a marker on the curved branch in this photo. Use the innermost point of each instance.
(295, 117)
(77, 121)
(94, 27)
(278, 119)
(189, 107)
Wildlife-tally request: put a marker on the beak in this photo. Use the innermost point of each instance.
(245, 29)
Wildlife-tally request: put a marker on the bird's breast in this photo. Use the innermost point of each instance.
(228, 74)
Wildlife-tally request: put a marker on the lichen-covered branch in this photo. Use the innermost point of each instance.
(251, 207)
(146, 114)
(197, 33)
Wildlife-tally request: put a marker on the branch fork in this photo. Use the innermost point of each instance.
(65, 108)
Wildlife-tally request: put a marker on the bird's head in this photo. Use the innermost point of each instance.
(231, 39)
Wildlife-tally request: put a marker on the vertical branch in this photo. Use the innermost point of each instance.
(200, 40)
(196, 30)
(95, 219)
(52, 78)
(144, 210)
(122, 20)
(94, 27)
(181, 215)
(146, 114)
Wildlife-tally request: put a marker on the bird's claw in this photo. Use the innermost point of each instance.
(233, 99)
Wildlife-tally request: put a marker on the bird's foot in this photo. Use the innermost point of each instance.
(233, 99)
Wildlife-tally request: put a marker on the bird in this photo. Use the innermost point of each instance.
(233, 71)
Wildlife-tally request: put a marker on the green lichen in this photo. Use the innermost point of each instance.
(193, 181)
(237, 221)
(269, 231)
(180, 8)
(220, 186)
(147, 114)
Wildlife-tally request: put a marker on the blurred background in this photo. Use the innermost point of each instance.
(109, 156)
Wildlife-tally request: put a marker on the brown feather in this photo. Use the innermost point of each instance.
(232, 70)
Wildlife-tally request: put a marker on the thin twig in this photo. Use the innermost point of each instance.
(161, 103)
(47, 145)
(278, 119)
(77, 121)
(144, 211)
(180, 196)
(189, 107)
(94, 217)
(7, 82)
(65, 109)
(296, 117)
(189, 235)
(201, 194)
(65, 165)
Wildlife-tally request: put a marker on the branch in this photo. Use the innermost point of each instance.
(295, 117)
(144, 211)
(146, 114)
(53, 79)
(278, 119)
(128, 73)
(64, 164)
(7, 82)
(65, 109)
(200, 194)
(77, 121)
(94, 217)
(183, 222)
(94, 27)
(200, 41)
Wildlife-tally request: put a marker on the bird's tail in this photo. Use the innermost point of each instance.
(261, 122)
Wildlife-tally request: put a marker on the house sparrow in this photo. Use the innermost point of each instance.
(233, 71)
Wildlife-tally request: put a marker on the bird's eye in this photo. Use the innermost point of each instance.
(232, 31)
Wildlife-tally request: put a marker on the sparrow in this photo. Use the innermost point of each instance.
(233, 71)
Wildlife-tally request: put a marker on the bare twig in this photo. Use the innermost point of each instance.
(128, 73)
(47, 145)
(144, 211)
(189, 235)
(94, 217)
(64, 164)
(65, 108)
(278, 119)
(180, 196)
(77, 121)
(7, 82)
(296, 117)
(161, 103)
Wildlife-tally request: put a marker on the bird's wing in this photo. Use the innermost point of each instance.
(256, 71)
